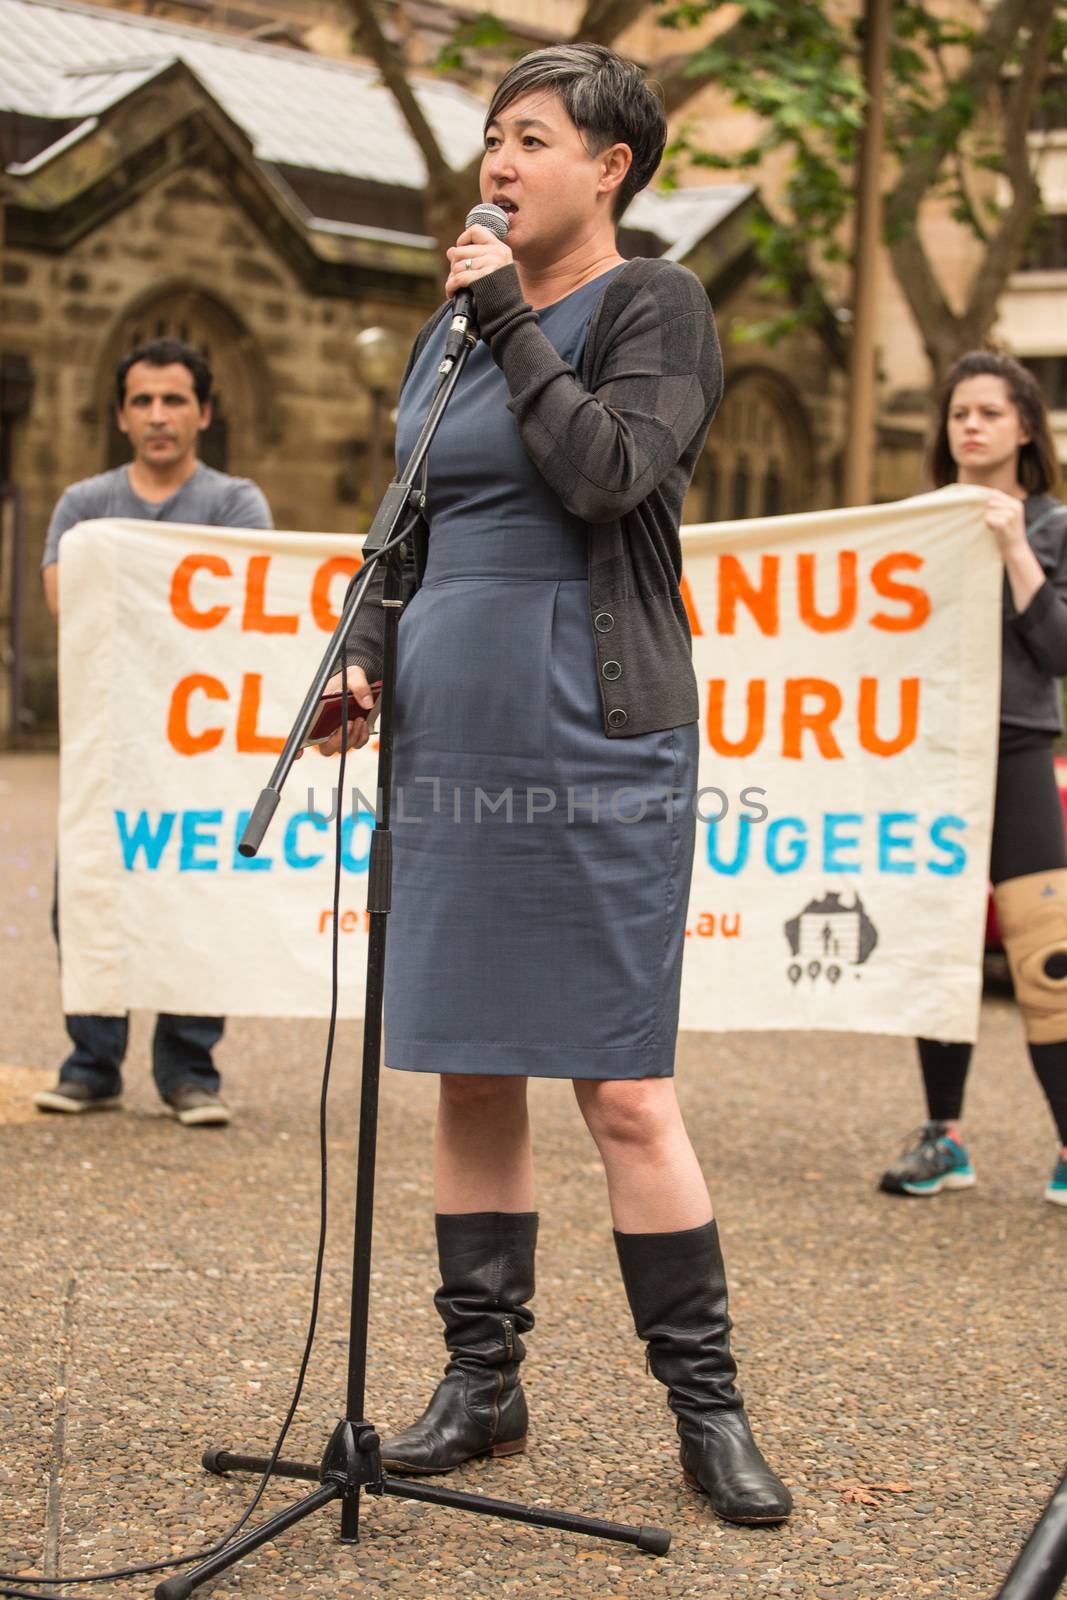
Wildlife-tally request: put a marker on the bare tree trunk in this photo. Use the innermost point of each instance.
(449, 194)
(947, 334)
(447, 207)
(603, 20)
(862, 383)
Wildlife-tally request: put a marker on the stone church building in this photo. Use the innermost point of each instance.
(264, 204)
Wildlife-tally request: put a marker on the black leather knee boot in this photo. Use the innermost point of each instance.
(676, 1286)
(478, 1408)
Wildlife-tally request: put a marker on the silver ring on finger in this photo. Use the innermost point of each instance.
(469, 264)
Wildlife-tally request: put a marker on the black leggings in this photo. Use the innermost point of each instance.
(1028, 836)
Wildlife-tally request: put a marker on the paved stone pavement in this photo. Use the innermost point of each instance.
(903, 1361)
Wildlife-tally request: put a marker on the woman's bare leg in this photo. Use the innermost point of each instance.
(655, 1184)
(482, 1160)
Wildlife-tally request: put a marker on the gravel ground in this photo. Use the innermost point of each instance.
(903, 1361)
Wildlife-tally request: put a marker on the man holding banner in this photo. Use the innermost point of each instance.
(163, 404)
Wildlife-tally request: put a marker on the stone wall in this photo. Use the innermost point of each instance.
(298, 419)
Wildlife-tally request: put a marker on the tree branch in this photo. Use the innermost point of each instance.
(678, 85)
(968, 205)
(919, 170)
(935, 317)
(603, 20)
(391, 66)
(942, 330)
(1006, 245)
(969, 208)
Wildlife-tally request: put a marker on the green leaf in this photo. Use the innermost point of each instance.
(795, 66)
(483, 32)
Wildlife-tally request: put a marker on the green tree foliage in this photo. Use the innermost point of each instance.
(798, 70)
(959, 100)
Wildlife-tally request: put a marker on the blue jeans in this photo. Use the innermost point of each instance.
(181, 1052)
(181, 1046)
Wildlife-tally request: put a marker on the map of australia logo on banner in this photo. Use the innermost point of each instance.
(827, 936)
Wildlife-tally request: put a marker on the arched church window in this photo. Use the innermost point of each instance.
(709, 511)
(759, 460)
(739, 488)
(239, 391)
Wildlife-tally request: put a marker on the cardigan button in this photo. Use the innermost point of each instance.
(603, 622)
(617, 718)
(612, 670)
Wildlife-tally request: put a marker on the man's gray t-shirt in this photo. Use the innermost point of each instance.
(206, 499)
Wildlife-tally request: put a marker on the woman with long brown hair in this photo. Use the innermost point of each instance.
(993, 430)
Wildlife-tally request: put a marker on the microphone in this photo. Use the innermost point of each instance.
(460, 333)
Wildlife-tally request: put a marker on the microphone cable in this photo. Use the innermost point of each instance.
(28, 1588)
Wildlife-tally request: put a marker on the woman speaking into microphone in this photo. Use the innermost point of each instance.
(546, 750)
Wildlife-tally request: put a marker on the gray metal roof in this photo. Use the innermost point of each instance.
(60, 59)
(65, 60)
(685, 216)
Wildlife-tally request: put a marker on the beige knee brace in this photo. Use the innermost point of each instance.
(1032, 913)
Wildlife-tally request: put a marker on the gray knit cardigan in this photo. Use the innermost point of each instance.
(618, 445)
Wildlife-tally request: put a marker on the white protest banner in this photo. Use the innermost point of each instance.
(184, 656)
(849, 666)
(849, 670)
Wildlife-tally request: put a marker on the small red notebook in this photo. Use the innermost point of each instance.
(328, 719)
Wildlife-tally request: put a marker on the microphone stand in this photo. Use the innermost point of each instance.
(352, 1461)
(1041, 1565)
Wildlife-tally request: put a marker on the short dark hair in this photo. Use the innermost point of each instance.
(605, 97)
(1038, 468)
(165, 353)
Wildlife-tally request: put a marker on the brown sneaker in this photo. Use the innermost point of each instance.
(197, 1107)
(74, 1098)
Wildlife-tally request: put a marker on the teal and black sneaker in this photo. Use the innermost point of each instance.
(1057, 1189)
(934, 1162)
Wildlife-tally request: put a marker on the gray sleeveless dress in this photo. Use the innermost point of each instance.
(541, 869)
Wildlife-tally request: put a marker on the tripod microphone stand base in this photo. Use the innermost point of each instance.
(352, 1462)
